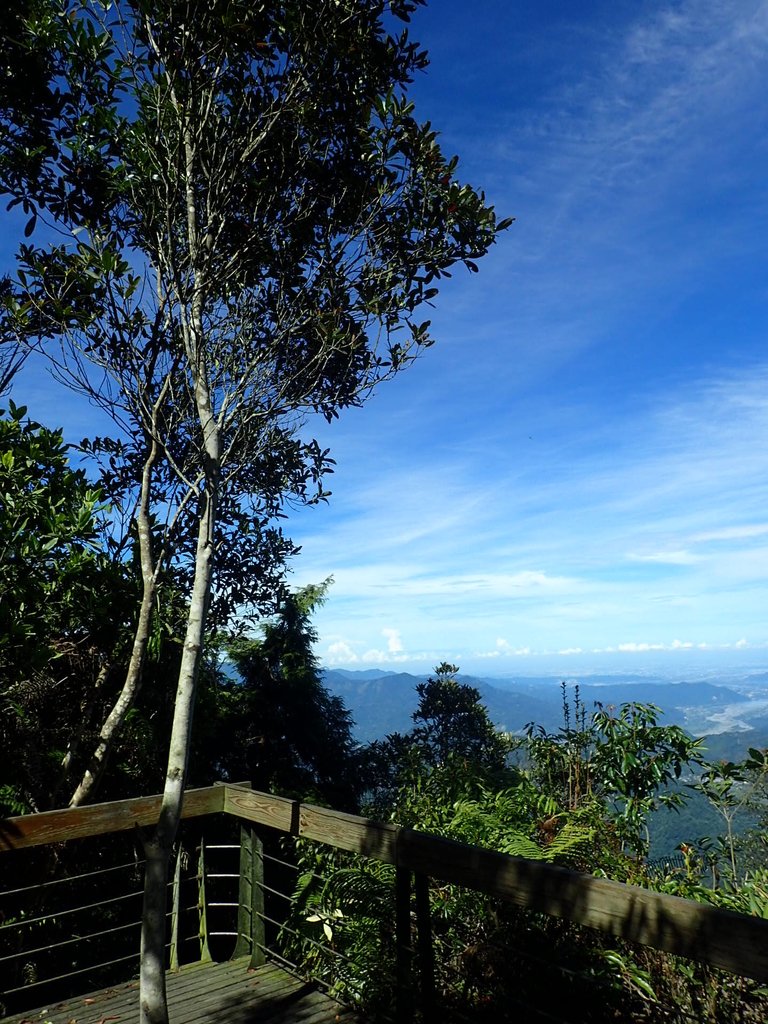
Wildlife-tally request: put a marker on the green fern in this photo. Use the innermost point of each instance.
(11, 801)
(517, 844)
(341, 923)
(569, 842)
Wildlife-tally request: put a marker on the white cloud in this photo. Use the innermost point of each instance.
(676, 645)
(417, 579)
(635, 648)
(378, 657)
(503, 647)
(394, 643)
(667, 558)
(732, 533)
(340, 653)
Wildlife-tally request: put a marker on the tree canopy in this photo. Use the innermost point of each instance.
(450, 719)
(247, 220)
(62, 605)
(291, 735)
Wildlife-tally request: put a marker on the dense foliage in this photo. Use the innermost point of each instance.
(63, 603)
(580, 797)
(285, 732)
(68, 597)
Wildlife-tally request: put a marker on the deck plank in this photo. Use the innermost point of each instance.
(225, 993)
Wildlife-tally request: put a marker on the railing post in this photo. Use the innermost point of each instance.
(426, 953)
(403, 947)
(176, 910)
(251, 935)
(202, 906)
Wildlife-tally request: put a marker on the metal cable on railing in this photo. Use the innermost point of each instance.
(40, 931)
(276, 892)
(69, 974)
(72, 974)
(39, 886)
(72, 910)
(292, 867)
(69, 942)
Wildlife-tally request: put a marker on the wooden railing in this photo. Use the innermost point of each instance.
(734, 942)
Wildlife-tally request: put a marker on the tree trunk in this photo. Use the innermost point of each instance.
(153, 1007)
(133, 676)
(86, 717)
(123, 704)
(152, 1000)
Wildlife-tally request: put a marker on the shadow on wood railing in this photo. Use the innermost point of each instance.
(419, 864)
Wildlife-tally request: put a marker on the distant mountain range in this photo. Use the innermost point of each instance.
(733, 712)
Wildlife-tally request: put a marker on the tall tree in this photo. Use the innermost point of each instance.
(450, 719)
(290, 734)
(250, 219)
(62, 601)
(452, 749)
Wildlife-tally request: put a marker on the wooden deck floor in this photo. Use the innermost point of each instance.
(226, 993)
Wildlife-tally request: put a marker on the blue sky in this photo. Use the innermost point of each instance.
(580, 464)
(576, 475)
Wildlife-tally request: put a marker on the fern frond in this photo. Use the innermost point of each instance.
(517, 844)
(569, 842)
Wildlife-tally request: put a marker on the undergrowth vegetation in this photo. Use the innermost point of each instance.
(580, 798)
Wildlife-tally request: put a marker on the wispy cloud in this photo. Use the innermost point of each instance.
(728, 533)
(585, 546)
(667, 557)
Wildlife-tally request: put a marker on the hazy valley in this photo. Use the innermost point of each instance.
(730, 709)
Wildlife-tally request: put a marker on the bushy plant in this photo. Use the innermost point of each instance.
(578, 797)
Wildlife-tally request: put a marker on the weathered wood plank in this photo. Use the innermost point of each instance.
(226, 993)
(212, 993)
(342, 831)
(262, 808)
(99, 819)
(349, 832)
(734, 942)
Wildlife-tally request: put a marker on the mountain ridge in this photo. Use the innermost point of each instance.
(383, 702)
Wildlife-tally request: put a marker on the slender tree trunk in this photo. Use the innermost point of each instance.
(731, 846)
(134, 674)
(153, 1005)
(86, 718)
(125, 701)
(152, 998)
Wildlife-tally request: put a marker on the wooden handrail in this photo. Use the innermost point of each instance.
(100, 819)
(335, 828)
(722, 938)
